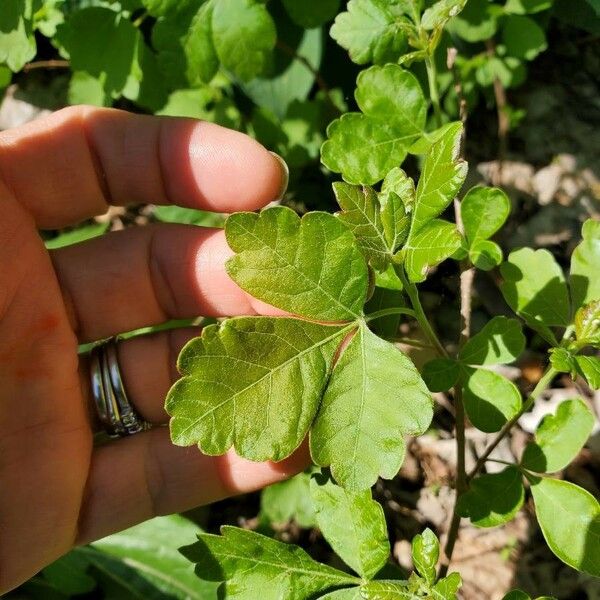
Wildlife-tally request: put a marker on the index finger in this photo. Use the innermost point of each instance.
(72, 164)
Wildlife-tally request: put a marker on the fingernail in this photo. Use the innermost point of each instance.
(285, 176)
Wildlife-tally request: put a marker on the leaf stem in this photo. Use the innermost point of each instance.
(398, 310)
(433, 89)
(420, 316)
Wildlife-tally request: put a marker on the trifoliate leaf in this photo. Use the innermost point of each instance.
(397, 198)
(490, 399)
(311, 13)
(102, 43)
(17, 42)
(570, 520)
(250, 563)
(436, 16)
(442, 176)
(485, 254)
(534, 287)
(523, 37)
(477, 22)
(201, 56)
(289, 501)
(589, 366)
(369, 31)
(559, 438)
(251, 383)
(353, 524)
(433, 243)
(361, 213)
(563, 361)
(500, 341)
(587, 323)
(493, 499)
(484, 210)
(374, 397)
(584, 281)
(311, 267)
(425, 554)
(244, 36)
(440, 374)
(365, 146)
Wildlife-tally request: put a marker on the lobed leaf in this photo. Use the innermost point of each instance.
(247, 561)
(493, 499)
(365, 146)
(563, 361)
(587, 323)
(310, 267)
(584, 280)
(17, 41)
(253, 383)
(356, 432)
(199, 49)
(559, 438)
(397, 197)
(353, 524)
(570, 520)
(500, 341)
(490, 399)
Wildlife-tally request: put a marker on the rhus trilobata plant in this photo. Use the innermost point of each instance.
(330, 370)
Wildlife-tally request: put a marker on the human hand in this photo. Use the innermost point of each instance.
(56, 489)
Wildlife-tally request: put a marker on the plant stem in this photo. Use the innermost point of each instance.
(399, 310)
(433, 89)
(542, 384)
(420, 316)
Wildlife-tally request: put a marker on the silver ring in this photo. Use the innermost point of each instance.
(115, 412)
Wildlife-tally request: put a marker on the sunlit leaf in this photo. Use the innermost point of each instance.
(500, 341)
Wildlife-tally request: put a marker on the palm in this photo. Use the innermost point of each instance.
(57, 489)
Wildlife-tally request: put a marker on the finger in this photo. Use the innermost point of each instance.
(148, 367)
(69, 166)
(143, 476)
(146, 276)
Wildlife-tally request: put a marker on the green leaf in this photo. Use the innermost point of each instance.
(251, 383)
(17, 42)
(365, 147)
(388, 590)
(523, 7)
(68, 574)
(559, 438)
(483, 210)
(436, 16)
(584, 281)
(317, 257)
(200, 53)
(160, 8)
(397, 197)
(563, 361)
(434, 242)
(493, 499)
(447, 588)
(382, 298)
(534, 287)
(500, 341)
(189, 216)
(244, 36)
(477, 22)
(151, 548)
(374, 397)
(440, 374)
(311, 13)
(77, 235)
(345, 594)
(570, 520)
(516, 595)
(86, 89)
(523, 37)
(485, 254)
(289, 500)
(102, 43)
(361, 213)
(589, 366)
(425, 554)
(443, 175)
(369, 31)
(587, 323)
(353, 524)
(247, 562)
(490, 399)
